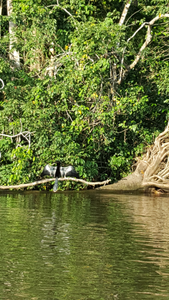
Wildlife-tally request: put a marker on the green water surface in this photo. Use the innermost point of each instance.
(87, 245)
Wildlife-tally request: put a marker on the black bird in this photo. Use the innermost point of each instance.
(59, 172)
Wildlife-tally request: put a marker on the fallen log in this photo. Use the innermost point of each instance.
(8, 187)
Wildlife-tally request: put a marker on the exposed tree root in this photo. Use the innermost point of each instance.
(157, 160)
(152, 172)
(20, 186)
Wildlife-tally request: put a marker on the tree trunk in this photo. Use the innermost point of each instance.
(152, 172)
(13, 54)
(125, 11)
(1, 2)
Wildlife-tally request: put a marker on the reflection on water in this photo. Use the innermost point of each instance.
(152, 213)
(83, 245)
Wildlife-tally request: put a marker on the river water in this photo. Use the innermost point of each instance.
(83, 246)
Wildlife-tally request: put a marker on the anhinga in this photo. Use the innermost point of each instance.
(59, 172)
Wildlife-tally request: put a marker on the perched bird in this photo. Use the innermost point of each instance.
(59, 172)
(68, 172)
(49, 170)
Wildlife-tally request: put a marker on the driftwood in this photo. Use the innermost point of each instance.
(20, 186)
(152, 172)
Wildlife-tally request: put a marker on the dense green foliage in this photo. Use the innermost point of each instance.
(65, 98)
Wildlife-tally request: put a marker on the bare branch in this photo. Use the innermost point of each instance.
(2, 187)
(136, 12)
(59, 6)
(69, 116)
(147, 41)
(148, 38)
(25, 134)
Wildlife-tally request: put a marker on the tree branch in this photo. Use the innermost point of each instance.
(2, 84)
(147, 41)
(25, 134)
(3, 187)
(59, 6)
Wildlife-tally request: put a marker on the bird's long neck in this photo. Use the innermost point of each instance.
(57, 174)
